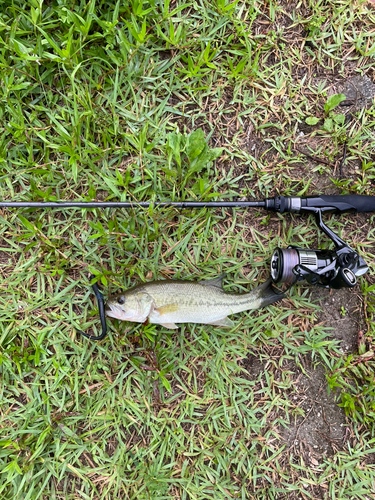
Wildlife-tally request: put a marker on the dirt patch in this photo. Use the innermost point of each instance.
(318, 425)
(358, 90)
(322, 427)
(253, 365)
(341, 311)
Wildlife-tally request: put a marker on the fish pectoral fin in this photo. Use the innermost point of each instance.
(157, 315)
(171, 326)
(218, 282)
(169, 308)
(223, 322)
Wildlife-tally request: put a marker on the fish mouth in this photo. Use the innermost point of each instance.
(113, 312)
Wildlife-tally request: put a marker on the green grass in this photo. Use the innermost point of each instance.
(170, 100)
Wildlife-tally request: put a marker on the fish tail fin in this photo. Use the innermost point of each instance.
(267, 294)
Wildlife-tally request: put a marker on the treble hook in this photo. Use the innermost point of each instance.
(100, 299)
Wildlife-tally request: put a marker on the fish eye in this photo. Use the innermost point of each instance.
(120, 300)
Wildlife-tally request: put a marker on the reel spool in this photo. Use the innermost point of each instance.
(326, 268)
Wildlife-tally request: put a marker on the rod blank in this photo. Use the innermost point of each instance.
(129, 204)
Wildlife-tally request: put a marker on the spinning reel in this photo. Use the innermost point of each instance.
(337, 268)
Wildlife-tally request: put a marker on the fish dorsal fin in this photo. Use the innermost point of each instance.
(218, 282)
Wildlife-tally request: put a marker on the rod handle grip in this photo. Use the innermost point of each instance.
(340, 203)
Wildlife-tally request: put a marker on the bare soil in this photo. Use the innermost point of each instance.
(322, 427)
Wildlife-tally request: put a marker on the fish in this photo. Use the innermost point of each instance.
(170, 302)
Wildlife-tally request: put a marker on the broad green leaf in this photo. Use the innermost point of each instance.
(328, 124)
(215, 153)
(204, 159)
(340, 119)
(196, 144)
(174, 142)
(333, 101)
(312, 120)
(166, 383)
(200, 162)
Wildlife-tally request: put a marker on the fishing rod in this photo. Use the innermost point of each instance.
(336, 268)
(335, 203)
(326, 203)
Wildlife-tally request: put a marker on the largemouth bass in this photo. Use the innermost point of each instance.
(169, 302)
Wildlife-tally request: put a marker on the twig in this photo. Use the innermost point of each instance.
(343, 159)
(332, 441)
(315, 158)
(348, 119)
